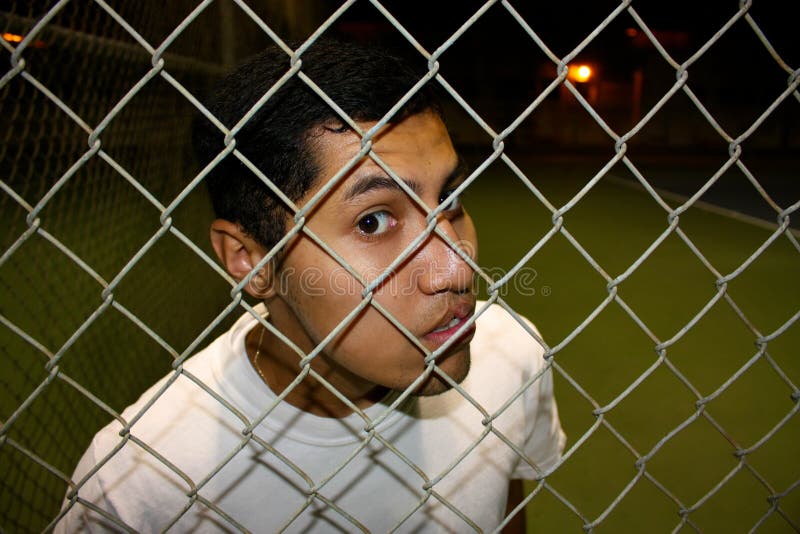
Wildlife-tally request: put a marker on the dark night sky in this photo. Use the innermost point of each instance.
(562, 27)
(736, 71)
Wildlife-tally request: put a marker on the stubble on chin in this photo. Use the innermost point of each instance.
(456, 369)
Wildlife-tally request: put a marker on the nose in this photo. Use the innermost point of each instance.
(441, 267)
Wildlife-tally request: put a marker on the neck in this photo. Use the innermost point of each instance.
(279, 367)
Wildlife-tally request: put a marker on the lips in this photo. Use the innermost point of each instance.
(451, 323)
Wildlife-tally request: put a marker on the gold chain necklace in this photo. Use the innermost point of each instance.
(258, 353)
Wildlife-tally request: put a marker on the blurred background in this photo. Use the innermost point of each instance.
(675, 339)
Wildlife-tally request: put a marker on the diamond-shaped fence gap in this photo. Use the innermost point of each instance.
(677, 122)
(774, 132)
(223, 34)
(568, 122)
(568, 290)
(547, 509)
(631, 220)
(557, 288)
(716, 347)
(693, 461)
(224, 31)
(42, 143)
(121, 219)
(672, 403)
(776, 520)
(610, 63)
(503, 241)
(299, 21)
(155, 25)
(431, 31)
(584, 476)
(77, 56)
(727, 204)
(669, 288)
(174, 291)
(715, 79)
(130, 360)
(753, 404)
(764, 292)
(28, 295)
(55, 427)
(149, 137)
(771, 20)
(192, 216)
(776, 459)
(21, 366)
(681, 35)
(626, 516)
(470, 140)
(556, 24)
(29, 494)
(737, 505)
(780, 353)
(608, 355)
(511, 55)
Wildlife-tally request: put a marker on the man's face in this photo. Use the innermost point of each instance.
(368, 220)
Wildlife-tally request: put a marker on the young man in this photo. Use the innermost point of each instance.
(337, 409)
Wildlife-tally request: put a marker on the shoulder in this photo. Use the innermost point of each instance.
(157, 445)
(172, 411)
(506, 333)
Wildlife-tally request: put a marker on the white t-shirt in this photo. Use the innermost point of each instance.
(301, 472)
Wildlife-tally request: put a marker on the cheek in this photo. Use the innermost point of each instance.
(374, 348)
(324, 294)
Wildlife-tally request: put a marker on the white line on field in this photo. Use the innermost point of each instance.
(705, 206)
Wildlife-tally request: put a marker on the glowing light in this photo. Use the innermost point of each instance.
(15, 38)
(12, 37)
(580, 73)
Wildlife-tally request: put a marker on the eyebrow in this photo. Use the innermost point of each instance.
(371, 183)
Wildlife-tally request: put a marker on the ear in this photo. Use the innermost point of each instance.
(239, 253)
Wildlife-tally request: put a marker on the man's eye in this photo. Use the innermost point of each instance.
(376, 223)
(455, 203)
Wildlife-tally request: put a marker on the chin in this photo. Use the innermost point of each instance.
(456, 366)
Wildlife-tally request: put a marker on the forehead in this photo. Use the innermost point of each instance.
(417, 148)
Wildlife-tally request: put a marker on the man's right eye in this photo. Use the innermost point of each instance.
(376, 223)
(454, 204)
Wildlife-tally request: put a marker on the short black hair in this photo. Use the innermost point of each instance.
(364, 81)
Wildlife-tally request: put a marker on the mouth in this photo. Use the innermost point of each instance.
(452, 324)
(455, 321)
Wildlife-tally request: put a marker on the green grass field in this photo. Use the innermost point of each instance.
(616, 225)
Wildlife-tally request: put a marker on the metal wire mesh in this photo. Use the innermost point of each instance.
(96, 193)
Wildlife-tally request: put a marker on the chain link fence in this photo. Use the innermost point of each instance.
(105, 249)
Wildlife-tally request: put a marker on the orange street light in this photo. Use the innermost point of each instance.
(12, 37)
(15, 38)
(580, 73)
